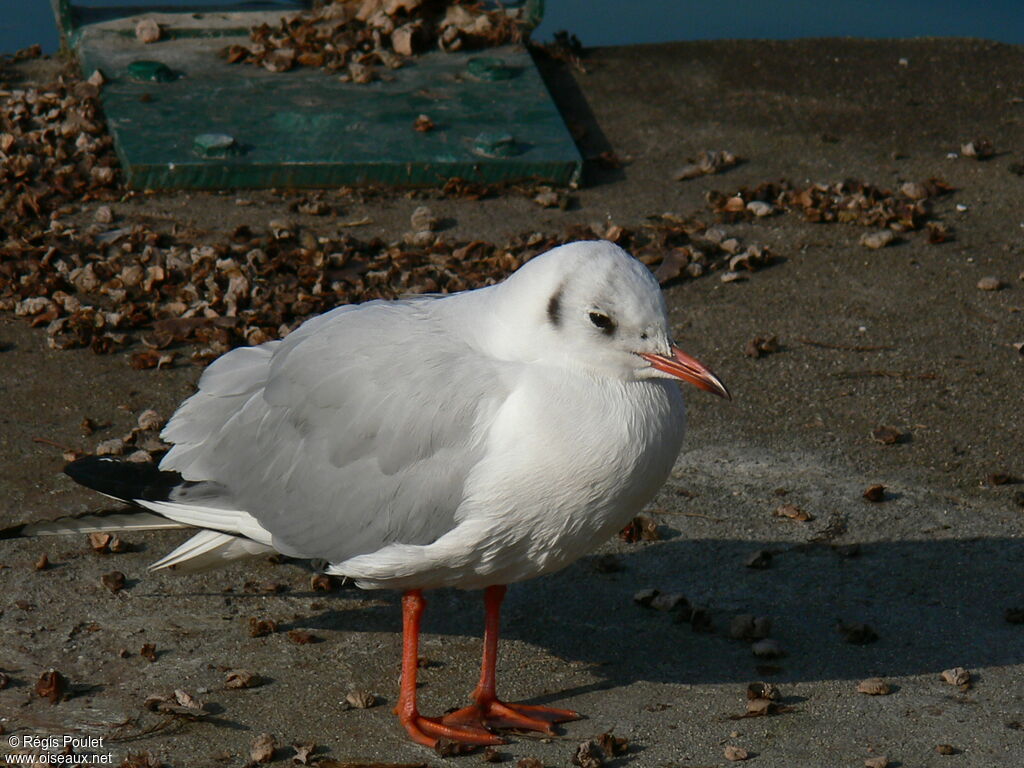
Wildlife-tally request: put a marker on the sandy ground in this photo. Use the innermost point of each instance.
(932, 569)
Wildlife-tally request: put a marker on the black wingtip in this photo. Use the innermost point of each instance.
(125, 480)
(14, 532)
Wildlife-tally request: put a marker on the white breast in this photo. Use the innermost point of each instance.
(569, 460)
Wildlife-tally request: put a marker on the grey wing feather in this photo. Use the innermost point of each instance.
(358, 430)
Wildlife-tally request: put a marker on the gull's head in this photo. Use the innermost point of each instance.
(591, 305)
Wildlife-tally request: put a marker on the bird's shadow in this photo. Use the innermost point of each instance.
(929, 602)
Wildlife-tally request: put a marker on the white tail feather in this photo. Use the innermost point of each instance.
(210, 549)
(225, 520)
(132, 521)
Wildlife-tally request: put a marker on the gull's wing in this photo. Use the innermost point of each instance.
(357, 430)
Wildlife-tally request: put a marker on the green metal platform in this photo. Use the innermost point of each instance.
(206, 124)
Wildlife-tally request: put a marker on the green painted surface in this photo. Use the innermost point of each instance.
(306, 128)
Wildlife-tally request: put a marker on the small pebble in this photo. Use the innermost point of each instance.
(760, 208)
(735, 754)
(762, 690)
(147, 30)
(946, 749)
(956, 676)
(360, 699)
(645, 597)
(874, 686)
(877, 762)
(876, 240)
(793, 512)
(914, 190)
(669, 602)
(263, 748)
(886, 435)
(423, 219)
(990, 283)
(875, 493)
(114, 581)
(767, 649)
(588, 755)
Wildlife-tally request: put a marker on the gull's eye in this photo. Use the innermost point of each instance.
(603, 322)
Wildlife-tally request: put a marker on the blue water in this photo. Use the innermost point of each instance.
(622, 22)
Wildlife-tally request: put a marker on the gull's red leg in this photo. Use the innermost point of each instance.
(488, 711)
(426, 730)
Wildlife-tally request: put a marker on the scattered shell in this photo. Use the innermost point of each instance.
(241, 678)
(52, 685)
(874, 686)
(423, 219)
(302, 637)
(103, 215)
(645, 597)
(957, 676)
(735, 754)
(112, 447)
(100, 542)
(887, 435)
(547, 197)
(42, 563)
(672, 601)
(881, 761)
(423, 124)
(588, 755)
(990, 283)
(261, 627)
(114, 581)
(323, 582)
(760, 208)
(879, 239)
(180, 702)
(707, 162)
(147, 30)
(263, 748)
(359, 699)
(979, 149)
(914, 190)
(612, 745)
(759, 346)
(762, 690)
(640, 528)
(793, 512)
(150, 419)
(875, 493)
(302, 753)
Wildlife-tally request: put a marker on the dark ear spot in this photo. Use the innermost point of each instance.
(555, 308)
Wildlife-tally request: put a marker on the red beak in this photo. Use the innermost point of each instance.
(687, 368)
